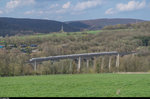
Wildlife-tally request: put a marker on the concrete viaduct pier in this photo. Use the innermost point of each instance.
(85, 56)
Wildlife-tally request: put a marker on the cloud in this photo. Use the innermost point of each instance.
(79, 7)
(110, 11)
(130, 6)
(12, 4)
(1, 12)
(87, 4)
(66, 5)
(34, 12)
(16, 3)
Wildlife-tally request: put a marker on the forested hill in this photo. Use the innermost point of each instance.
(97, 24)
(18, 26)
(13, 26)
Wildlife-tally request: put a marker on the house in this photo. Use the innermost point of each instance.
(33, 45)
(23, 45)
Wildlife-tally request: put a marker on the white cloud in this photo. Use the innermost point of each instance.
(1, 12)
(15, 3)
(87, 4)
(66, 5)
(110, 11)
(130, 6)
(34, 12)
(65, 8)
(12, 4)
(79, 7)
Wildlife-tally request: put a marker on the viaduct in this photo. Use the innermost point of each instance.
(85, 56)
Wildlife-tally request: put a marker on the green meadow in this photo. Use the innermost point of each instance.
(58, 34)
(76, 85)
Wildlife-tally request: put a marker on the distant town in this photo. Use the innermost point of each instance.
(23, 47)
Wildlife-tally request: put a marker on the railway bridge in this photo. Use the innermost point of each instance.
(85, 56)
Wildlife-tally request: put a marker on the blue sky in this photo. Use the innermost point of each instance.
(69, 10)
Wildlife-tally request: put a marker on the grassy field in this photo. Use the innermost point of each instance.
(78, 85)
(57, 34)
(40, 35)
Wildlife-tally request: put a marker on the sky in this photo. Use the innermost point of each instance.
(71, 10)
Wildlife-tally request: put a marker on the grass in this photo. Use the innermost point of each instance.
(57, 34)
(78, 85)
(41, 35)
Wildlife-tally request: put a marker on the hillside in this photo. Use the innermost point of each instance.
(13, 26)
(18, 50)
(142, 25)
(18, 26)
(100, 23)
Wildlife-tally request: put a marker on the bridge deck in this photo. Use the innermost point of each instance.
(75, 56)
